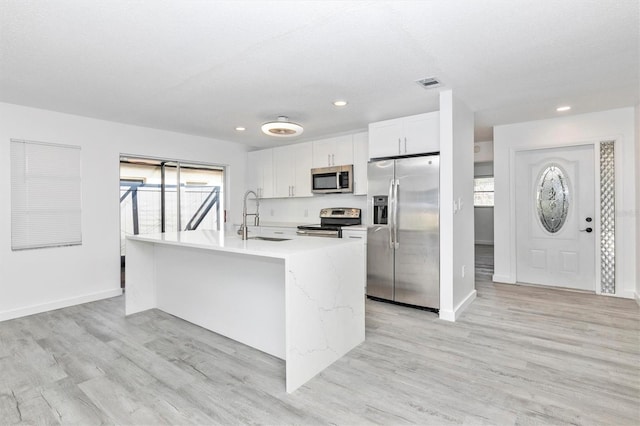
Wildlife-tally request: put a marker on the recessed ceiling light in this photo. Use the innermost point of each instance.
(282, 128)
(240, 129)
(563, 108)
(340, 103)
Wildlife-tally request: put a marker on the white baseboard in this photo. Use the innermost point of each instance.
(58, 304)
(484, 242)
(503, 279)
(458, 310)
(624, 295)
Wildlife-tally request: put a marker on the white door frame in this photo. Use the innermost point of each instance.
(597, 223)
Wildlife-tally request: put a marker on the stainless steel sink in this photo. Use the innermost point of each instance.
(269, 238)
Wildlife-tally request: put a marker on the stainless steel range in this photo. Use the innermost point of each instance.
(332, 220)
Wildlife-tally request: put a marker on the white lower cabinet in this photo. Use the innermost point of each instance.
(278, 232)
(359, 233)
(269, 231)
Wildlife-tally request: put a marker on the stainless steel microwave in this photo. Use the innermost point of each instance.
(327, 180)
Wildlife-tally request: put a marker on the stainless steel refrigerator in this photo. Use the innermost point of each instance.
(403, 232)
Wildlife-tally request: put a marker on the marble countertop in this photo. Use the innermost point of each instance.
(232, 243)
(295, 225)
(274, 224)
(355, 228)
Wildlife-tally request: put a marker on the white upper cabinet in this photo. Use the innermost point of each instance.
(292, 170)
(285, 171)
(337, 151)
(416, 134)
(260, 172)
(360, 159)
(384, 138)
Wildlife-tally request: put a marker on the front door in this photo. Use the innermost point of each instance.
(555, 217)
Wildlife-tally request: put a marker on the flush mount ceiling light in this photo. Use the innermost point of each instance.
(282, 128)
(240, 129)
(563, 108)
(340, 103)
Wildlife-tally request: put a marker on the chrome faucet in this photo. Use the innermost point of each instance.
(243, 231)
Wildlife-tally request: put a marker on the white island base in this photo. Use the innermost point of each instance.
(301, 300)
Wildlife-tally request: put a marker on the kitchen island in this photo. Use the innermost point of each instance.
(301, 300)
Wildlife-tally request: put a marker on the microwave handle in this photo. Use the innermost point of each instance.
(338, 180)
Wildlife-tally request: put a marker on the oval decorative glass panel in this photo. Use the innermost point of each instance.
(552, 198)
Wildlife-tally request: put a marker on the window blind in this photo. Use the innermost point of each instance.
(45, 195)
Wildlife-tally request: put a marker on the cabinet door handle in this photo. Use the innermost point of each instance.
(293, 191)
(333, 160)
(328, 159)
(399, 150)
(405, 144)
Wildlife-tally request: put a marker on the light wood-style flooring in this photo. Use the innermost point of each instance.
(518, 355)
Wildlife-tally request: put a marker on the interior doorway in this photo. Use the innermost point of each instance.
(166, 196)
(555, 217)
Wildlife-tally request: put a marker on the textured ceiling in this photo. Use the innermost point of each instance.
(205, 67)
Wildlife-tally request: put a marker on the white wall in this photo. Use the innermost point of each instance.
(39, 280)
(483, 169)
(637, 214)
(483, 152)
(617, 124)
(456, 223)
(307, 210)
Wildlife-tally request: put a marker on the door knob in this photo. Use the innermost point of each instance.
(588, 219)
(588, 230)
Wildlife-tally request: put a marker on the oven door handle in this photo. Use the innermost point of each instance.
(318, 233)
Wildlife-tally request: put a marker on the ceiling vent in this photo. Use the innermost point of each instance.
(429, 82)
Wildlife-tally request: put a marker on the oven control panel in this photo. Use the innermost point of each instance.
(340, 212)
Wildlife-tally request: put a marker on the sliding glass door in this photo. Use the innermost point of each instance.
(167, 196)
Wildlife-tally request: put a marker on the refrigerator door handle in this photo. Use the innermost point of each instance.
(391, 218)
(396, 184)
